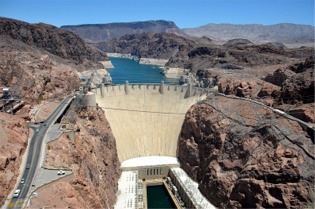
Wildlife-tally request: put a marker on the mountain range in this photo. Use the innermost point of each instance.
(104, 32)
(286, 33)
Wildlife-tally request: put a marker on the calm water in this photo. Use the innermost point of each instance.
(126, 69)
(158, 197)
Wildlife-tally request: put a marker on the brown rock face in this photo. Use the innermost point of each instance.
(41, 61)
(96, 156)
(13, 140)
(296, 82)
(57, 41)
(305, 112)
(92, 156)
(298, 88)
(249, 87)
(244, 156)
(279, 76)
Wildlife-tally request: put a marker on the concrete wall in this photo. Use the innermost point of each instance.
(146, 119)
(187, 190)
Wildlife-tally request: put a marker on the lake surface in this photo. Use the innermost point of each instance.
(159, 198)
(126, 69)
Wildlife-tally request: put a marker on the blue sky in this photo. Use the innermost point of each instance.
(185, 13)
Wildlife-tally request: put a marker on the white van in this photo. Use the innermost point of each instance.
(16, 193)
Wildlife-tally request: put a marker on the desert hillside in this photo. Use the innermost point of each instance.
(284, 32)
(41, 61)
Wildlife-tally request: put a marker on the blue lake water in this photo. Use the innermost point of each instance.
(126, 69)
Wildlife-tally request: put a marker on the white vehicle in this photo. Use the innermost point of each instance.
(61, 172)
(22, 181)
(16, 193)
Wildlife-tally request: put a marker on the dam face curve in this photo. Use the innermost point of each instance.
(146, 119)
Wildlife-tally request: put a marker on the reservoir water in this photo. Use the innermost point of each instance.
(126, 69)
(158, 197)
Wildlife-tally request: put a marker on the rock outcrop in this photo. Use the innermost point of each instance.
(299, 88)
(245, 156)
(249, 87)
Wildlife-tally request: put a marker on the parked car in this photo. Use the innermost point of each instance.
(61, 172)
(16, 193)
(22, 181)
(27, 166)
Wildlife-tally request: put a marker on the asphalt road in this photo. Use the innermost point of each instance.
(34, 154)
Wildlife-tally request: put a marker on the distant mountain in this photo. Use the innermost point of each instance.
(148, 45)
(283, 33)
(104, 32)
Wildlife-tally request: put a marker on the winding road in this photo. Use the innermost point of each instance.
(34, 152)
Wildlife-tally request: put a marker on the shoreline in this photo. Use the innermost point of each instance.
(143, 60)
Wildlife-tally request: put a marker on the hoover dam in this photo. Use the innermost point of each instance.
(146, 120)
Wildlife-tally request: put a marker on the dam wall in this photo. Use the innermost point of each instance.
(146, 119)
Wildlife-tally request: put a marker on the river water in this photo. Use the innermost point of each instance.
(126, 69)
(159, 198)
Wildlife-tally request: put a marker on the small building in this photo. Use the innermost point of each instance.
(6, 91)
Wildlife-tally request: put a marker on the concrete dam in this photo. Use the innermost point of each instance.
(146, 119)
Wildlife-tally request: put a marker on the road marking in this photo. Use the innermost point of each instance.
(11, 205)
(19, 203)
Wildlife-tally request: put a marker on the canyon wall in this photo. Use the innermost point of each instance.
(12, 146)
(90, 153)
(245, 156)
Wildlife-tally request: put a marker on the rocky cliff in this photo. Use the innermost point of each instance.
(59, 42)
(104, 32)
(245, 156)
(92, 156)
(13, 141)
(40, 61)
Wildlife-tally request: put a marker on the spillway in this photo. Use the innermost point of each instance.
(146, 119)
